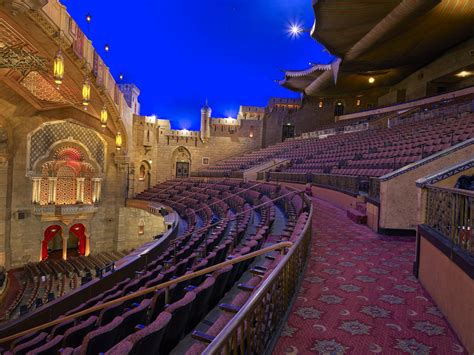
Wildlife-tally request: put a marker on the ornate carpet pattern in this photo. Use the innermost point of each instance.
(359, 296)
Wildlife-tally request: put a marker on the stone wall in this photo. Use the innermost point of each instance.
(21, 231)
(137, 227)
(398, 192)
(164, 152)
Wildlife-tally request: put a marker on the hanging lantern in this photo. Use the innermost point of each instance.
(104, 116)
(118, 141)
(86, 93)
(58, 68)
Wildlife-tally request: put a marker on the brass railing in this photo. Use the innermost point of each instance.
(283, 246)
(451, 213)
(253, 329)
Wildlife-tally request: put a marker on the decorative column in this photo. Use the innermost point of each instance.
(52, 183)
(36, 193)
(80, 189)
(96, 189)
(88, 248)
(64, 246)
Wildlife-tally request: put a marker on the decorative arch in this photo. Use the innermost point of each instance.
(144, 174)
(49, 234)
(78, 230)
(41, 140)
(181, 160)
(66, 175)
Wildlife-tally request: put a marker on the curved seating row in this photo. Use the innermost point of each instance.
(222, 223)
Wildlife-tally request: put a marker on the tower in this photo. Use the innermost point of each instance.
(206, 112)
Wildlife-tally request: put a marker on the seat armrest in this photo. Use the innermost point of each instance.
(201, 336)
(257, 272)
(245, 287)
(139, 327)
(229, 308)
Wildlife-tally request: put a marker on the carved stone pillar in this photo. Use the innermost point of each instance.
(65, 238)
(96, 189)
(80, 189)
(52, 183)
(36, 193)
(88, 248)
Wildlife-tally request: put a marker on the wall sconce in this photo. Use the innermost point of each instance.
(58, 68)
(86, 93)
(118, 141)
(104, 116)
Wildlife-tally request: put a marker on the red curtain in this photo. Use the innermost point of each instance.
(79, 231)
(49, 234)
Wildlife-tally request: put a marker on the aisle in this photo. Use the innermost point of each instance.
(359, 296)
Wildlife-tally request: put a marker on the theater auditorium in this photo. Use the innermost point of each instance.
(338, 222)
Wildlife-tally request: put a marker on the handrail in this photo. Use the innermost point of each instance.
(453, 190)
(166, 284)
(232, 327)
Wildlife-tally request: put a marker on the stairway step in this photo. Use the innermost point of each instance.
(357, 216)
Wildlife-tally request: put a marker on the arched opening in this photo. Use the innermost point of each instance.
(339, 109)
(288, 131)
(67, 176)
(77, 239)
(144, 175)
(51, 241)
(181, 162)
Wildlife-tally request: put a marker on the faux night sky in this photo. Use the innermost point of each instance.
(181, 52)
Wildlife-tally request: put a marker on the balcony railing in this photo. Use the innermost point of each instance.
(64, 209)
(344, 183)
(253, 328)
(451, 213)
(374, 189)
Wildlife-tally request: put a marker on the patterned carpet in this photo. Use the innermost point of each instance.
(359, 296)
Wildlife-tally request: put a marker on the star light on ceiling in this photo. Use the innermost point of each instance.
(295, 30)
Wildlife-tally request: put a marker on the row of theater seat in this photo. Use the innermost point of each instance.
(160, 319)
(44, 281)
(373, 152)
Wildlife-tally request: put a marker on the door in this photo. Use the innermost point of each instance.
(182, 170)
(288, 131)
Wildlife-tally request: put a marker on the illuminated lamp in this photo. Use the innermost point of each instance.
(118, 141)
(58, 68)
(86, 93)
(463, 74)
(104, 116)
(371, 80)
(88, 18)
(321, 104)
(107, 48)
